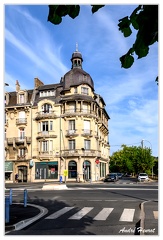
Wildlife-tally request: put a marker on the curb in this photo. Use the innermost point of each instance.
(22, 224)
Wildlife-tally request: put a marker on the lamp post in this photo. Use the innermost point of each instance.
(142, 142)
(83, 149)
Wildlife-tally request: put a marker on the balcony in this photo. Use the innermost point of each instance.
(45, 155)
(10, 141)
(71, 133)
(86, 133)
(21, 157)
(46, 115)
(21, 121)
(79, 152)
(46, 134)
(79, 112)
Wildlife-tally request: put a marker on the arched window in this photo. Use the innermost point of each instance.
(46, 108)
(72, 169)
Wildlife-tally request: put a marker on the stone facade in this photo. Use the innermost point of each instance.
(57, 131)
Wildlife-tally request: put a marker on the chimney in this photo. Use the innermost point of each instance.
(38, 83)
(17, 86)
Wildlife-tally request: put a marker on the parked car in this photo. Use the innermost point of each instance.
(119, 175)
(143, 177)
(111, 177)
(116, 175)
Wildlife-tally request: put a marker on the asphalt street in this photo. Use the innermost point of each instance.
(92, 209)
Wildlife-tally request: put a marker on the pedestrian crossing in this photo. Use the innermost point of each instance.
(126, 215)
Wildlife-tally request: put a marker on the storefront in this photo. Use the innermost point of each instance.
(8, 171)
(46, 170)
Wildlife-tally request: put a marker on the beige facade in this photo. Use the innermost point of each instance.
(57, 131)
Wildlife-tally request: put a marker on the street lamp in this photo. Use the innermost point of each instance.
(83, 149)
(142, 142)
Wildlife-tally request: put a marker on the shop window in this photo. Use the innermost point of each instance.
(72, 169)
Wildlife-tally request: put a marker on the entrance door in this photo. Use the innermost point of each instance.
(87, 170)
(22, 173)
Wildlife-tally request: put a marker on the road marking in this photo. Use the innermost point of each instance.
(105, 212)
(59, 213)
(127, 215)
(81, 213)
(155, 213)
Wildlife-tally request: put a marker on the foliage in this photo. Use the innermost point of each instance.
(132, 159)
(144, 19)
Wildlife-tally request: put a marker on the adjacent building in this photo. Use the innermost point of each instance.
(57, 131)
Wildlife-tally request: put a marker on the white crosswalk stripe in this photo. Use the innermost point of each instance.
(127, 215)
(155, 214)
(105, 212)
(81, 213)
(59, 213)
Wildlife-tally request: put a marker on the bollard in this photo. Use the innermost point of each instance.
(60, 179)
(25, 197)
(10, 196)
(7, 209)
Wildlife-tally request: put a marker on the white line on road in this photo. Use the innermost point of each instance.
(81, 213)
(59, 213)
(127, 215)
(105, 212)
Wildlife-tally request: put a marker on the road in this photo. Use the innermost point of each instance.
(93, 209)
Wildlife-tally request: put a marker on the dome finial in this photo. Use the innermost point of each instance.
(76, 47)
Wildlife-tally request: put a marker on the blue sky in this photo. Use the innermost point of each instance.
(36, 48)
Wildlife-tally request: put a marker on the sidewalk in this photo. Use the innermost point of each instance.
(19, 213)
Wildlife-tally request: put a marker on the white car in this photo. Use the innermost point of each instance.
(143, 177)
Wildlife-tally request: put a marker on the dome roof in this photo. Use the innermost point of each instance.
(76, 54)
(76, 77)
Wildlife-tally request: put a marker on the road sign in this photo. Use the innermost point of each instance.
(65, 173)
(97, 161)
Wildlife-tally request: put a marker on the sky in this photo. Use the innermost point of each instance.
(35, 47)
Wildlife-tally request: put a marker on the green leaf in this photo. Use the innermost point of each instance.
(126, 61)
(127, 32)
(74, 11)
(95, 8)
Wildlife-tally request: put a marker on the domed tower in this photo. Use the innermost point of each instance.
(76, 59)
(76, 76)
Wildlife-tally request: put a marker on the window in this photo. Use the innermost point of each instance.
(87, 144)
(21, 98)
(72, 125)
(45, 146)
(51, 125)
(47, 93)
(84, 90)
(75, 89)
(22, 133)
(72, 107)
(86, 126)
(71, 144)
(46, 108)
(22, 152)
(45, 126)
(85, 108)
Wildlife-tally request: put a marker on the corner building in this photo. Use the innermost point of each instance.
(66, 128)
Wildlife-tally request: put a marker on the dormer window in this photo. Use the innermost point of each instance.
(21, 98)
(75, 89)
(47, 93)
(84, 90)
